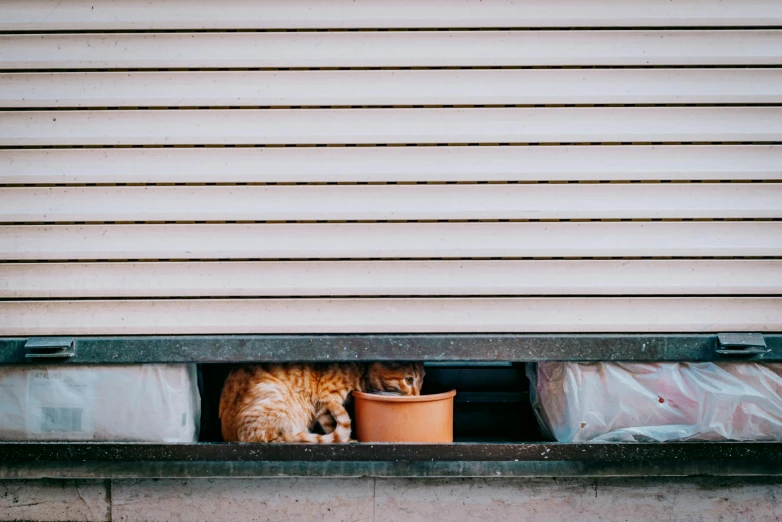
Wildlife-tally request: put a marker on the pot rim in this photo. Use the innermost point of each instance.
(404, 398)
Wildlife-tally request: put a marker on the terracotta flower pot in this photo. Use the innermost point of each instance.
(396, 418)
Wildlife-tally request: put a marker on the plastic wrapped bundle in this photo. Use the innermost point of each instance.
(636, 402)
(145, 403)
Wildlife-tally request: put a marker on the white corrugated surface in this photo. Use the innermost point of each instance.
(704, 90)
(385, 315)
(390, 49)
(397, 126)
(391, 164)
(390, 87)
(49, 15)
(404, 278)
(392, 202)
(391, 240)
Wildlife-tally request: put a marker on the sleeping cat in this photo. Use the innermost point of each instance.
(282, 402)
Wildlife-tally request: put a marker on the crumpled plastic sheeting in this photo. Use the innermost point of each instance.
(644, 402)
(143, 403)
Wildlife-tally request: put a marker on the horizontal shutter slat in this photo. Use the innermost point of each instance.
(404, 278)
(251, 316)
(390, 87)
(391, 164)
(42, 15)
(392, 202)
(381, 126)
(391, 49)
(391, 240)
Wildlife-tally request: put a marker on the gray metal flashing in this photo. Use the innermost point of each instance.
(128, 460)
(421, 347)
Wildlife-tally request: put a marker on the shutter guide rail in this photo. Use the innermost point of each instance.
(425, 347)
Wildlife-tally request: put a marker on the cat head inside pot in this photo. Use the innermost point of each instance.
(405, 378)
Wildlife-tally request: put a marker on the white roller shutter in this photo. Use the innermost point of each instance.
(304, 166)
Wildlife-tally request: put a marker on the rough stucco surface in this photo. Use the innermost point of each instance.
(54, 500)
(238, 499)
(411, 500)
(549, 500)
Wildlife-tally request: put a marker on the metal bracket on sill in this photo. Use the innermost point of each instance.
(49, 348)
(746, 344)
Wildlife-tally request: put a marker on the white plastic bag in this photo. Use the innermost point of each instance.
(627, 402)
(145, 403)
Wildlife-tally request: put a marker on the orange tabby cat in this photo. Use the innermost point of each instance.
(282, 402)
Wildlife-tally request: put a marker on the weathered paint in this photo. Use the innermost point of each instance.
(55, 500)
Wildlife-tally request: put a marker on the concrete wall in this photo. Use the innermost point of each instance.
(409, 500)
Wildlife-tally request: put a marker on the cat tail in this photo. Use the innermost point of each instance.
(340, 434)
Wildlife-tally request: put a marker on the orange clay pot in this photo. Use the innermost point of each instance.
(396, 418)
